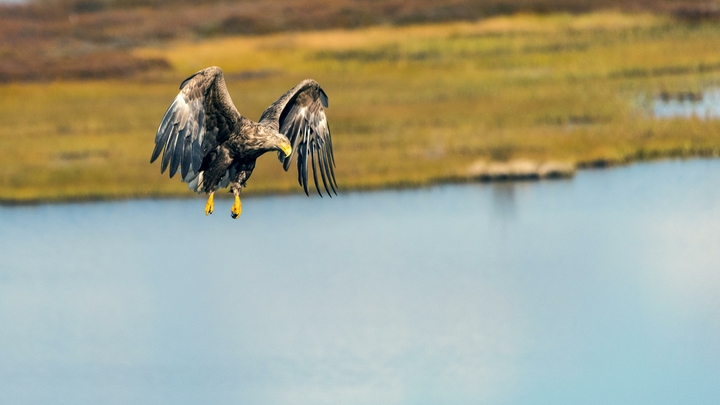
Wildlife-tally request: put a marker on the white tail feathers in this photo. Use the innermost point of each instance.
(195, 180)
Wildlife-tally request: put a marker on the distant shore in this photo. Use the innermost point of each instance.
(498, 172)
(516, 97)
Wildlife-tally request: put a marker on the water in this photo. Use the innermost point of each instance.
(602, 289)
(705, 105)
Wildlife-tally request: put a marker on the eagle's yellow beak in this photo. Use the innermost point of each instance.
(286, 148)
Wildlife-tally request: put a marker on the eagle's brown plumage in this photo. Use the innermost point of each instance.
(204, 136)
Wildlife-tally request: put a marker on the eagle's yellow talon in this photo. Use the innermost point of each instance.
(236, 209)
(210, 206)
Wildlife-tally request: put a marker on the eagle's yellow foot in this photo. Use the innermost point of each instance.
(210, 206)
(236, 209)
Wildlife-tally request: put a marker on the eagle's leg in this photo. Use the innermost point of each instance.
(210, 206)
(237, 183)
(236, 209)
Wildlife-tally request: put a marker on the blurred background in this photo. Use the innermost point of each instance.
(529, 210)
(421, 92)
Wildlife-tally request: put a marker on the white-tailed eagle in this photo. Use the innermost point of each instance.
(204, 136)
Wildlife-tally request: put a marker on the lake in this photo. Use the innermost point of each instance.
(602, 289)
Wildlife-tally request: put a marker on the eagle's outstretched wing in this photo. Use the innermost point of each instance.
(300, 116)
(201, 117)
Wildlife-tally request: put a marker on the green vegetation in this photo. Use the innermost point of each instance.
(408, 105)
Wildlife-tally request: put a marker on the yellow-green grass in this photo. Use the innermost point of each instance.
(408, 105)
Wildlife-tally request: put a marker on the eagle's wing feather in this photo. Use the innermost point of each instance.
(299, 115)
(201, 117)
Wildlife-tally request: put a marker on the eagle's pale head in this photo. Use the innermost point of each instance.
(273, 140)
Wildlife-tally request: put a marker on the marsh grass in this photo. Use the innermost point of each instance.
(408, 105)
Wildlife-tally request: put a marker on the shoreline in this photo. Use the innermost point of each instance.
(489, 177)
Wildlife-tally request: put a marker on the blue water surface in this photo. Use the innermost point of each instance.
(603, 289)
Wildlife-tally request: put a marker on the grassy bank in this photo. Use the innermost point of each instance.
(408, 105)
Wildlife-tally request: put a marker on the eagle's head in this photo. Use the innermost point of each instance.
(274, 140)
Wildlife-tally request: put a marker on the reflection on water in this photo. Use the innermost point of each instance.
(503, 197)
(704, 105)
(598, 290)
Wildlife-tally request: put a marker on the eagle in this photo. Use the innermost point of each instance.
(204, 136)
